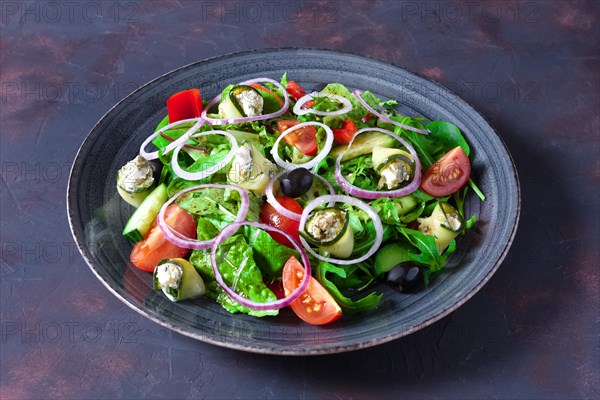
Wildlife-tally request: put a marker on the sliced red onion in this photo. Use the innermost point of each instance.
(226, 233)
(357, 94)
(349, 200)
(298, 110)
(282, 210)
(371, 194)
(198, 122)
(177, 238)
(221, 121)
(316, 160)
(196, 176)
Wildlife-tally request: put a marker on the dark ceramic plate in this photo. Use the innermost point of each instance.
(97, 215)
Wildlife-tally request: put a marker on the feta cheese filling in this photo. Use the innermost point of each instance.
(251, 102)
(393, 174)
(136, 175)
(325, 225)
(169, 276)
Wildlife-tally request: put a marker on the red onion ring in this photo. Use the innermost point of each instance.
(355, 202)
(182, 140)
(180, 240)
(357, 94)
(371, 194)
(298, 110)
(196, 176)
(226, 233)
(309, 164)
(221, 121)
(282, 210)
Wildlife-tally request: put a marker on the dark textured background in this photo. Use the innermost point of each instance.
(530, 67)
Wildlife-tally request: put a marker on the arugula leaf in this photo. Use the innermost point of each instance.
(428, 254)
(425, 148)
(477, 191)
(471, 222)
(360, 173)
(392, 210)
(447, 135)
(365, 242)
(349, 306)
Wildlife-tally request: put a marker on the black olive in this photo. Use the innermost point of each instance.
(405, 277)
(318, 87)
(296, 183)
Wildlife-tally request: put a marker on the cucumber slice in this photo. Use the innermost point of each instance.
(389, 256)
(134, 198)
(445, 223)
(342, 244)
(190, 284)
(139, 223)
(363, 144)
(382, 154)
(228, 110)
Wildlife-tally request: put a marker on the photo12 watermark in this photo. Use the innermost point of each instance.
(48, 252)
(508, 91)
(67, 12)
(452, 12)
(67, 332)
(64, 92)
(269, 11)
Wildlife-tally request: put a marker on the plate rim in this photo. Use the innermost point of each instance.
(335, 349)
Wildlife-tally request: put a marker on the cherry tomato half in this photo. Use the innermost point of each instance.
(155, 247)
(270, 216)
(315, 305)
(448, 174)
(304, 139)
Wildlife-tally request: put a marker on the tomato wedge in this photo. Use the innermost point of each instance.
(304, 139)
(184, 105)
(344, 134)
(448, 174)
(270, 216)
(155, 247)
(315, 305)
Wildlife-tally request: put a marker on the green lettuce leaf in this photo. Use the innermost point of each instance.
(239, 272)
(269, 255)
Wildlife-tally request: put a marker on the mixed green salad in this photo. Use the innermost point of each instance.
(267, 197)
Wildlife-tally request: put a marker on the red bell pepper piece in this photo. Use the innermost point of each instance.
(184, 105)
